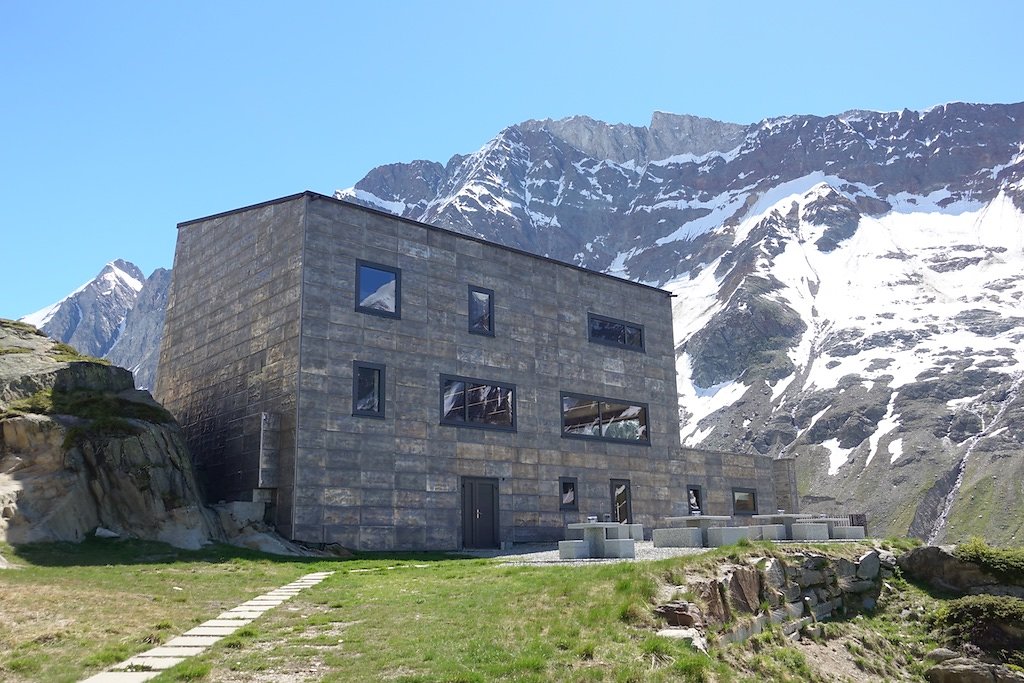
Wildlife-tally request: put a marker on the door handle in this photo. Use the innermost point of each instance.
(478, 513)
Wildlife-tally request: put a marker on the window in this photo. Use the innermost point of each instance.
(367, 389)
(612, 332)
(481, 311)
(695, 500)
(589, 417)
(467, 402)
(567, 491)
(622, 501)
(744, 502)
(378, 289)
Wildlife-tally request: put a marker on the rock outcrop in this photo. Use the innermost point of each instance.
(82, 449)
(794, 590)
(941, 568)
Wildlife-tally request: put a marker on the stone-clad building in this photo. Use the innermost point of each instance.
(386, 384)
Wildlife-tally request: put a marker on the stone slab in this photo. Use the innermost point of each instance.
(810, 531)
(848, 532)
(573, 550)
(619, 547)
(204, 630)
(193, 641)
(235, 623)
(173, 651)
(241, 614)
(154, 663)
(122, 677)
(726, 535)
(677, 537)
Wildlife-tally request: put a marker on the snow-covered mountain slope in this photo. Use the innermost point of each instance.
(848, 286)
(97, 318)
(90, 318)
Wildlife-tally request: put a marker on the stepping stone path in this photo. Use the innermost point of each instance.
(150, 664)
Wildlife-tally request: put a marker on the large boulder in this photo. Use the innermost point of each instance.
(81, 449)
(939, 567)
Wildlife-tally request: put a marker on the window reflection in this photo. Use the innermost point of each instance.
(477, 403)
(378, 290)
(586, 416)
(481, 308)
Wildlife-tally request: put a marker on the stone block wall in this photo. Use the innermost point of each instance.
(262, 320)
(230, 349)
(395, 483)
(718, 473)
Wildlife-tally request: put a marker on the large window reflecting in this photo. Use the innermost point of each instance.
(378, 289)
(590, 417)
(612, 332)
(477, 403)
(481, 311)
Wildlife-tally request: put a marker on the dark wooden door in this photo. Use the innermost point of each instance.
(622, 501)
(480, 513)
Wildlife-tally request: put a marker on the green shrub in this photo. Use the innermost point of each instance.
(23, 327)
(991, 622)
(1006, 564)
(103, 427)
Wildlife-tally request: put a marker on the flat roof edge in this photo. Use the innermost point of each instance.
(317, 196)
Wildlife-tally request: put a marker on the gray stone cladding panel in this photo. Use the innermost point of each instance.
(262, 318)
(231, 343)
(540, 345)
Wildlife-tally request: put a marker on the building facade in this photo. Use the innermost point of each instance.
(385, 384)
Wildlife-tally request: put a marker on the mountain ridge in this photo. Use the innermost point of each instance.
(848, 286)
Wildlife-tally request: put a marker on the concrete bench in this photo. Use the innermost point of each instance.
(772, 532)
(619, 547)
(677, 537)
(573, 550)
(847, 532)
(726, 535)
(809, 531)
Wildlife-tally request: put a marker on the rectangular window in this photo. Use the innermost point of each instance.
(477, 403)
(744, 502)
(591, 417)
(695, 500)
(481, 311)
(612, 332)
(367, 389)
(378, 289)
(567, 491)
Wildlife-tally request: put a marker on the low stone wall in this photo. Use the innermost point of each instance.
(798, 589)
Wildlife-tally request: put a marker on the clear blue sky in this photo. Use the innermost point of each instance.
(121, 119)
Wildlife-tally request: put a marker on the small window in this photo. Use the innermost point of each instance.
(567, 491)
(470, 402)
(378, 289)
(744, 502)
(591, 417)
(695, 500)
(367, 389)
(481, 311)
(612, 332)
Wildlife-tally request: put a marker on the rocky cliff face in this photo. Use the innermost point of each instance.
(118, 315)
(849, 288)
(80, 448)
(138, 346)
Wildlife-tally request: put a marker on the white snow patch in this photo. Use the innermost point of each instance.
(888, 423)
(837, 456)
(395, 207)
(895, 450)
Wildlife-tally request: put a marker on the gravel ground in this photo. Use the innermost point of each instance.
(547, 553)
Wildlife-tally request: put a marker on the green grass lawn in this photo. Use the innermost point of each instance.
(73, 610)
